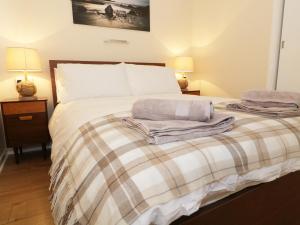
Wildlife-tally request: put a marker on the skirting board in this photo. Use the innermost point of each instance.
(3, 158)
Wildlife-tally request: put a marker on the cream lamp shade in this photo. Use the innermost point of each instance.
(184, 64)
(23, 60)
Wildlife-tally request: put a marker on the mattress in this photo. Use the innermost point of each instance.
(68, 118)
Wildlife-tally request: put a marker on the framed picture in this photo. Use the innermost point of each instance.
(123, 14)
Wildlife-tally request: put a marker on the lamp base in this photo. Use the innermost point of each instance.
(183, 83)
(26, 90)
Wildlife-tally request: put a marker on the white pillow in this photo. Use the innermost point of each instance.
(147, 80)
(88, 81)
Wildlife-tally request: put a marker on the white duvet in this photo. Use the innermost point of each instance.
(70, 116)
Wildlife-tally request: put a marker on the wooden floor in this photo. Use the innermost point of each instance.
(24, 191)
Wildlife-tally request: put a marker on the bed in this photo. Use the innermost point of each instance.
(248, 192)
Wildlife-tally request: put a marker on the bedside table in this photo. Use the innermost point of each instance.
(188, 92)
(25, 123)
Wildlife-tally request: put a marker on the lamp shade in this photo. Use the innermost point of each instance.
(23, 59)
(184, 64)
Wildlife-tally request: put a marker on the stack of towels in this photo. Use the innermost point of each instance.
(274, 104)
(162, 121)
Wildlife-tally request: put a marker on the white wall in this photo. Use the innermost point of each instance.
(231, 45)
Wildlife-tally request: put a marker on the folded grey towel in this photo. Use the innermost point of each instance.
(272, 98)
(161, 132)
(269, 104)
(274, 104)
(169, 109)
(272, 112)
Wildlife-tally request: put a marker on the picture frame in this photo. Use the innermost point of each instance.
(122, 14)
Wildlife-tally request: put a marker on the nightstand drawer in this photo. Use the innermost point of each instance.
(23, 107)
(26, 129)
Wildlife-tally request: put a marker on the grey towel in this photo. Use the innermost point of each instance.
(272, 112)
(272, 98)
(168, 109)
(274, 104)
(161, 132)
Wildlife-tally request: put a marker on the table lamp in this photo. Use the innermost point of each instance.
(24, 60)
(184, 65)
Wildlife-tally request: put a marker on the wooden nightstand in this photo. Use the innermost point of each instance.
(188, 92)
(25, 123)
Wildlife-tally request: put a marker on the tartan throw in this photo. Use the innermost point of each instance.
(108, 174)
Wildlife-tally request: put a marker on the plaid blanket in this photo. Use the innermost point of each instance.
(108, 174)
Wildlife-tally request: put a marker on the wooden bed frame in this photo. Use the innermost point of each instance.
(273, 203)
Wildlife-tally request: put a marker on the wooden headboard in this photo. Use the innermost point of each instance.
(53, 65)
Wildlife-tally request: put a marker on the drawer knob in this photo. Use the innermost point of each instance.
(25, 118)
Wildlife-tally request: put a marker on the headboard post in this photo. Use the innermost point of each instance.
(53, 65)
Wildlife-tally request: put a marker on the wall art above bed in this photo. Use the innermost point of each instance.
(123, 14)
